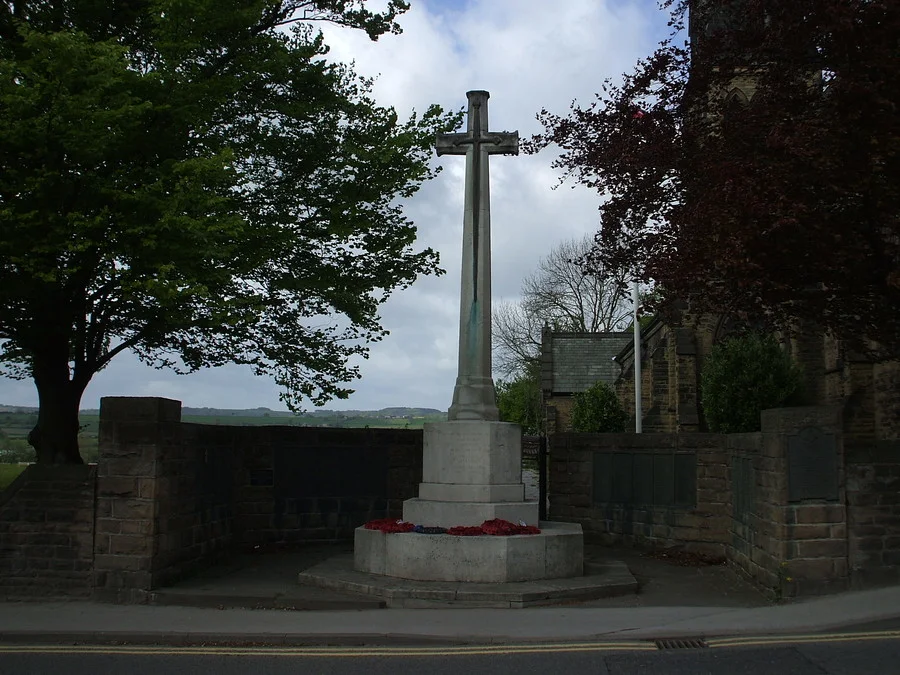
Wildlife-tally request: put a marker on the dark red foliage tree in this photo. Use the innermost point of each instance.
(756, 169)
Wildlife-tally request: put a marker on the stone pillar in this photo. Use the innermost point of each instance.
(134, 432)
(801, 515)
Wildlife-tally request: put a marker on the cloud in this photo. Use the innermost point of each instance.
(529, 55)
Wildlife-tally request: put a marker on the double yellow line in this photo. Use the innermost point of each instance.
(430, 651)
(333, 652)
(803, 639)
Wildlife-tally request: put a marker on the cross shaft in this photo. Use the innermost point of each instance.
(474, 396)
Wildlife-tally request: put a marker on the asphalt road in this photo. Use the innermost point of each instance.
(865, 655)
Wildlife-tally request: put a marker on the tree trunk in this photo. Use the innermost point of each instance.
(55, 436)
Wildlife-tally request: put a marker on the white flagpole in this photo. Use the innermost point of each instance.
(637, 361)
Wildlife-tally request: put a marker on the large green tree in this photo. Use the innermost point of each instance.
(193, 180)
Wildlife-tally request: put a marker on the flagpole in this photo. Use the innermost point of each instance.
(637, 361)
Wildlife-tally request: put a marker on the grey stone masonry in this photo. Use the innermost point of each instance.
(135, 436)
(46, 533)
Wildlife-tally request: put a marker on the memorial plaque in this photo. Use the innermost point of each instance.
(602, 477)
(262, 478)
(323, 471)
(812, 466)
(685, 479)
(664, 480)
(742, 488)
(214, 477)
(622, 472)
(643, 479)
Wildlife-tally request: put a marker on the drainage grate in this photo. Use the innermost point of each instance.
(678, 643)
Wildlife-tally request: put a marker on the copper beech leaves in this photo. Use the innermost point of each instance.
(754, 170)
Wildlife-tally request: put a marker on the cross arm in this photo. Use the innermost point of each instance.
(452, 144)
(502, 143)
(499, 143)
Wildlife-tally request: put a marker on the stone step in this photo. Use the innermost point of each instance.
(608, 579)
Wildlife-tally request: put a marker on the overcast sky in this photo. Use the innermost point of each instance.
(529, 54)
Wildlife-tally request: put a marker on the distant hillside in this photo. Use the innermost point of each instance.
(187, 411)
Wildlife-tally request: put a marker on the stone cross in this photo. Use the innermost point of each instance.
(473, 396)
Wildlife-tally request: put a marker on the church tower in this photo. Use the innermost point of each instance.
(726, 34)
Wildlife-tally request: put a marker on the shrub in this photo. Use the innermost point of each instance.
(743, 376)
(519, 401)
(598, 410)
(14, 450)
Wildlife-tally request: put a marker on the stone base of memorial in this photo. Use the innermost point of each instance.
(556, 553)
(472, 473)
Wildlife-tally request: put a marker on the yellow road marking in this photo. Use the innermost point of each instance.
(343, 652)
(803, 639)
(430, 651)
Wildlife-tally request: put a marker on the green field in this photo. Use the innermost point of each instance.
(342, 421)
(90, 423)
(8, 473)
(15, 426)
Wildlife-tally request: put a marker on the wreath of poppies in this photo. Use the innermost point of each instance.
(496, 527)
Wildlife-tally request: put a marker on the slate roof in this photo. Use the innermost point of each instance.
(573, 362)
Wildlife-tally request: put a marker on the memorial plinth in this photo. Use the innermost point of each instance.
(471, 472)
(472, 464)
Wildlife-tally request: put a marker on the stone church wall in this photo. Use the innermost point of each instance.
(791, 506)
(873, 504)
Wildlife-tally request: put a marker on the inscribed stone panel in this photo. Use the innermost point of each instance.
(214, 477)
(742, 486)
(261, 478)
(685, 479)
(602, 477)
(643, 479)
(622, 472)
(812, 465)
(664, 480)
(323, 471)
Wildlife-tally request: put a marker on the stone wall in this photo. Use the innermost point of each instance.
(671, 358)
(873, 503)
(773, 502)
(790, 539)
(654, 490)
(557, 412)
(886, 384)
(46, 533)
(168, 498)
(163, 501)
(174, 497)
(296, 484)
(868, 392)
